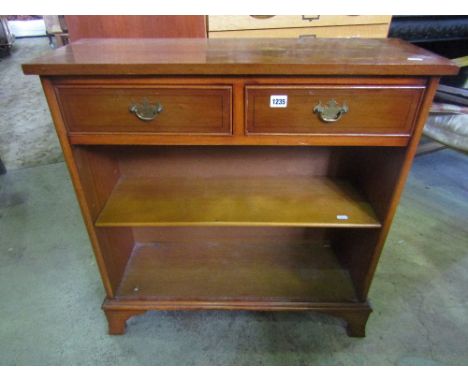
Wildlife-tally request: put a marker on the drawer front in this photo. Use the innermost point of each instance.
(362, 31)
(309, 110)
(156, 110)
(225, 23)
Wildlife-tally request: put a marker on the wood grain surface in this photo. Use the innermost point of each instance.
(248, 201)
(223, 270)
(199, 111)
(185, 109)
(283, 57)
(133, 26)
(371, 110)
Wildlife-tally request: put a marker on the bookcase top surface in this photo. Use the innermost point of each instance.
(248, 56)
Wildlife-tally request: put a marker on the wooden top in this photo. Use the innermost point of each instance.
(306, 56)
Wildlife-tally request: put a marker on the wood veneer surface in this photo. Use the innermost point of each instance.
(241, 57)
(371, 109)
(236, 269)
(134, 26)
(245, 201)
(185, 109)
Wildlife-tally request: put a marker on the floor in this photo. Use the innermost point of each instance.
(50, 293)
(27, 135)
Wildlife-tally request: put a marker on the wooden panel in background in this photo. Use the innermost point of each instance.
(80, 27)
(202, 161)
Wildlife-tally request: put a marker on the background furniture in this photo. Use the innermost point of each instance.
(135, 26)
(6, 38)
(225, 26)
(298, 26)
(57, 30)
(239, 174)
(447, 36)
(444, 35)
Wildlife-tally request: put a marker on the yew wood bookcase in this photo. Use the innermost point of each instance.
(249, 174)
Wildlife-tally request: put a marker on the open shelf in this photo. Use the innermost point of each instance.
(269, 228)
(239, 201)
(252, 269)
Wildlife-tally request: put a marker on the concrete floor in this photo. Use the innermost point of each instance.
(27, 134)
(50, 292)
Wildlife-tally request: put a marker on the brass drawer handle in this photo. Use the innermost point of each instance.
(146, 111)
(331, 112)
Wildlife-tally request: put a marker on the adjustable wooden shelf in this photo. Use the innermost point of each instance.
(239, 174)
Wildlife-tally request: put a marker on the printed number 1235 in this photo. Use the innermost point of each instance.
(278, 101)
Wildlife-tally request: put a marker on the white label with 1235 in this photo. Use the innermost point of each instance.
(278, 101)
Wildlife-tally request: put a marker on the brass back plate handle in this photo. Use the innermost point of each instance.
(145, 111)
(331, 112)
